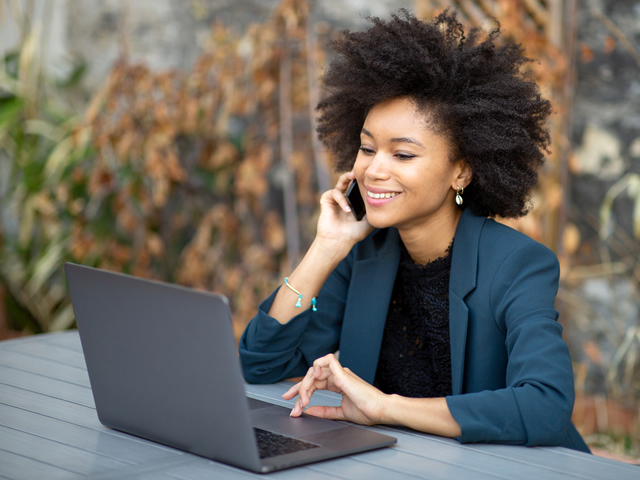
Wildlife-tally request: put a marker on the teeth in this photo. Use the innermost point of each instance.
(382, 195)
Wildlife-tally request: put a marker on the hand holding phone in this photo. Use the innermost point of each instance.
(355, 201)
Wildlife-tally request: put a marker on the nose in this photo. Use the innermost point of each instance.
(377, 168)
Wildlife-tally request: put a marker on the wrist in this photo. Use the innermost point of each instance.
(389, 406)
(332, 250)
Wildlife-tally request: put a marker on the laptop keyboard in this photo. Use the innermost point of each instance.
(272, 444)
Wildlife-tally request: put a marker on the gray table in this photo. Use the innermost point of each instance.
(49, 430)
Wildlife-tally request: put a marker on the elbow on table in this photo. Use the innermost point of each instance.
(530, 415)
(259, 375)
(548, 424)
(264, 368)
(259, 367)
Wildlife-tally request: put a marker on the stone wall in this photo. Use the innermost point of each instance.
(601, 298)
(165, 34)
(606, 112)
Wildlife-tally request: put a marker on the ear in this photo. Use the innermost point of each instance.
(463, 175)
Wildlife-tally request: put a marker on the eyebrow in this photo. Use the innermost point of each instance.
(396, 139)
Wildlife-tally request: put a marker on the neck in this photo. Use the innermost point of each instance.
(429, 240)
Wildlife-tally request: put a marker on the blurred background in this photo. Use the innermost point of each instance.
(174, 140)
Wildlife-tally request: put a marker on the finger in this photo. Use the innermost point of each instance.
(330, 364)
(331, 413)
(324, 361)
(336, 367)
(340, 199)
(296, 411)
(337, 375)
(336, 196)
(316, 377)
(292, 392)
(344, 180)
(306, 388)
(323, 374)
(321, 370)
(320, 373)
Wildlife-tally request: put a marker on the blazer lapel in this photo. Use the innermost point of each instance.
(462, 280)
(368, 299)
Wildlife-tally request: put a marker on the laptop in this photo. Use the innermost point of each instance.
(163, 365)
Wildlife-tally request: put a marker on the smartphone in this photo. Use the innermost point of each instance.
(355, 201)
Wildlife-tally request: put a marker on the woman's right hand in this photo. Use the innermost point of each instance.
(337, 223)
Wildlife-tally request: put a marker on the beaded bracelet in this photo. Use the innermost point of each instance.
(299, 302)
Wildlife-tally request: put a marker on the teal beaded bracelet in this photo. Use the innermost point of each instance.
(299, 302)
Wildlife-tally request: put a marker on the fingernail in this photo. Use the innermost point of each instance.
(347, 209)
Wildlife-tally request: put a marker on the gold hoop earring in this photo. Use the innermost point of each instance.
(459, 192)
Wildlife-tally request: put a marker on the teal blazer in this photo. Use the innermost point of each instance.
(511, 372)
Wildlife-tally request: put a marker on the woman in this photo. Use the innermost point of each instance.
(444, 319)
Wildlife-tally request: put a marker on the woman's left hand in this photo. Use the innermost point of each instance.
(361, 402)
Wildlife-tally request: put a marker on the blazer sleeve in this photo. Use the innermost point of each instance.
(536, 405)
(270, 351)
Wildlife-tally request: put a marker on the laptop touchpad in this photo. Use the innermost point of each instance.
(277, 419)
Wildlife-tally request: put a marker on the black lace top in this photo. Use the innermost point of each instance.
(415, 357)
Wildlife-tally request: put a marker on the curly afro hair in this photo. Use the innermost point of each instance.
(470, 90)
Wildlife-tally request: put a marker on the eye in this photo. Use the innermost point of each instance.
(366, 150)
(404, 156)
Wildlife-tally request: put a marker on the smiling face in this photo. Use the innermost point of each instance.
(404, 169)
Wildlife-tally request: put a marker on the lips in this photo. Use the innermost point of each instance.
(377, 196)
(381, 195)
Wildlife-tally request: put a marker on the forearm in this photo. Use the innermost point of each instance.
(430, 415)
(271, 350)
(308, 278)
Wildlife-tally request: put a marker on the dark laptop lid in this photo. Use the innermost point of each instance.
(162, 364)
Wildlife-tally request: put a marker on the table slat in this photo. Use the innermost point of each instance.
(65, 411)
(47, 386)
(28, 363)
(353, 469)
(467, 457)
(421, 467)
(99, 442)
(154, 469)
(69, 339)
(21, 468)
(581, 465)
(48, 351)
(207, 470)
(54, 453)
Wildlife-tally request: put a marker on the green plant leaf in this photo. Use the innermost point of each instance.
(44, 129)
(45, 266)
(26, 223)
(63, 319)
(75, 76)
(9, 110)
(60, 157)
(11, 61)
